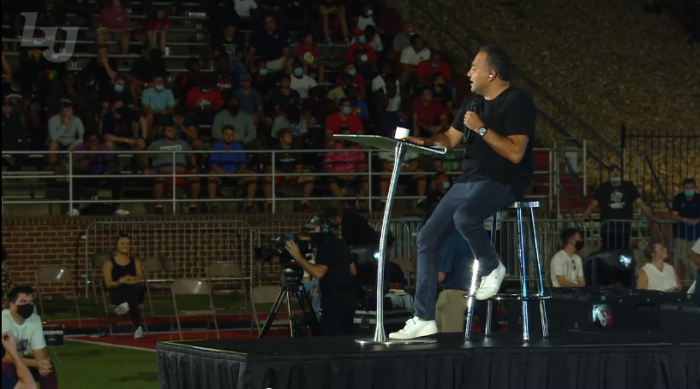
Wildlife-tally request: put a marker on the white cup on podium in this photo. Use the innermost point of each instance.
(402, 133)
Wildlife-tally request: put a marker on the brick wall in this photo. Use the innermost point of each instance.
(190, 241)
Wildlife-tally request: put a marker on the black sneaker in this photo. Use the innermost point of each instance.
(159, 210)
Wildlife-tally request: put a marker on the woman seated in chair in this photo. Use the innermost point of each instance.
(123, 276)
(657, 274)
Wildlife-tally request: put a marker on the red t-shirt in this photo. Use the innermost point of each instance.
(345, 162)
(114, 19)
(429, 114)
(195, 98)
(350, 52)
(426, 70)
(311, 49)
(335, 121)
(358, 81)
(157, 24)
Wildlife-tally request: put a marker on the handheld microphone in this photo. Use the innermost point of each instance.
(474, 108)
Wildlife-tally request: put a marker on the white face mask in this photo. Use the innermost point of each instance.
(363, 58)
(369, 12)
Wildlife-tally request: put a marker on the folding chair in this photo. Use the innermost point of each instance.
(49, 274)
(227, 272)
(265, 295)
(153, 265)
(192, 287)
(97, 261)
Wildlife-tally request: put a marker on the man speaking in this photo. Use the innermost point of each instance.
(497, 122)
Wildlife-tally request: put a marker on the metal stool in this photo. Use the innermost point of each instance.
(524, 296)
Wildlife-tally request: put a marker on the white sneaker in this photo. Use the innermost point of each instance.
(415, 328)
(122, 309)
(73, 212)
(491, 283)
(138, 334)
(121, 212)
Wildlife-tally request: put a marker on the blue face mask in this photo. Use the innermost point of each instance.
(119, 88)
(690, 192)
(362, 39)
(435, 65)
(615, 179)
(346, 110)
(299, 72)
(446, 185)
(263, 72)
(160, 87)
(205, 91)
(352, 72)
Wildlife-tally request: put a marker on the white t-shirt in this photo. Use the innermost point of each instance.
(564, 265)
(660, 281)
(303, 85)
(410, 57)
(363, 22)
(395, 102)
(696, 247)
(243, 7)
(30, 335)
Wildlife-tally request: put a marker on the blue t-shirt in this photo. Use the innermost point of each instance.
(689, 209)
(360, 109)
(228, 162)
(158, 101)
(8, 382)
(456, 262)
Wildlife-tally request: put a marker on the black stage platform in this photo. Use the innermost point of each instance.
(571, 360)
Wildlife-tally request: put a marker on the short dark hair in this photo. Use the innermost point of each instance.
(689, 181)
(16, 291)
(343, 100)
(424, 88)
(285, 76)
(568, 234)
(283, 131)
(499, 60)
(330, 213)
(228, 127)
(414, 38)
(123, 235)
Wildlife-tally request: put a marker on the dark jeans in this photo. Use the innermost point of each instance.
(81, 184)
(464, 207)
(615, 235)
(132, 295)
(697, 290)
(46, 382)
(337, 317)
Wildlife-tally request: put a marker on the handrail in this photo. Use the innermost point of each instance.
(518, 70)
(656, 180)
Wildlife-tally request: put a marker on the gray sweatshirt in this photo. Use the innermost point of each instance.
(242, 123)
(72, 134)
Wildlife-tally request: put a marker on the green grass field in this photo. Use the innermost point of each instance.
(93, 366)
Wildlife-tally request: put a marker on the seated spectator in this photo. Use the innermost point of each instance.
(271, 46)
(192, 78)
(284, 96)
(439, 186)
(21, 321)
(163, 164)
(346, 162)
(357, 80)
(224, 78)
(118, 129)
(410, 164)
(333, 13)
(402, 40)
(18, 93)
(434, 64)
(234, 117)
(402, 118)
(144, 69)
(300, 82)
(231, 43)
(158, 104)
(567, 267)
(231, 163)
(205, 101)
(65, 132)
(67, 90)
(123, 278)
(251, 100)
(338, 93)
(362, 44)
(365, 18)
(95, 164)
(157, 29)
(657, 274)
(442, 93)
(343, 119)
(412, 56)
(309, 55)
(118, 92)
(292, 121)
(102, 68)
(285, 163)
(113, 26)
(357, 106)
(22, 377)
(686, 212)
(185, 129)
(429, 114)
(14, 136)
(373, 39)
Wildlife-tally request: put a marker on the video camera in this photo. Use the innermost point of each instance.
(292, 272)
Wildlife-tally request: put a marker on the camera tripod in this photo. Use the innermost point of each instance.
(299, 327)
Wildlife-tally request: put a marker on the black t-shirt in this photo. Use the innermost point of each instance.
(444, 96)
(616, 202)
(511, 113)
(144, 70)
(17, 96)
(13, 133)
(117, 126)
(277, 97)
(94, 69)
(231, 47)
(270, 47)
(338, 283)
(286, 162)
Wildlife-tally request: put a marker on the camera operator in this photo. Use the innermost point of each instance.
(333, 270)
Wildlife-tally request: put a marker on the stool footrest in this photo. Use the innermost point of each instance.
(519, 297)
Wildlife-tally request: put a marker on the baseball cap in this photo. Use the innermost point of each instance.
(246, 78)
(319, 221)
(613, 167)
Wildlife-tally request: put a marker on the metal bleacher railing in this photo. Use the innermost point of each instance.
(70, 176)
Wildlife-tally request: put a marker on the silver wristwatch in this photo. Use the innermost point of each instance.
(482, 131)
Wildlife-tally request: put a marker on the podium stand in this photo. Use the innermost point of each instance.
(400, 147)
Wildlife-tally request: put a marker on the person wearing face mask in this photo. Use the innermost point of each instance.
(402, 40)
(144, 69)
(365, 18)
(300, 81)
(435, 64)
(233, 116)
(343, 118)
(117, 91)
(204, 101)
(334, 270)
(117, 128)
(158, 104)
(361, 44)
(617, 198)
(567, 267)
(442, 93)
(25, 325)
(686, 212)
(356, 79)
